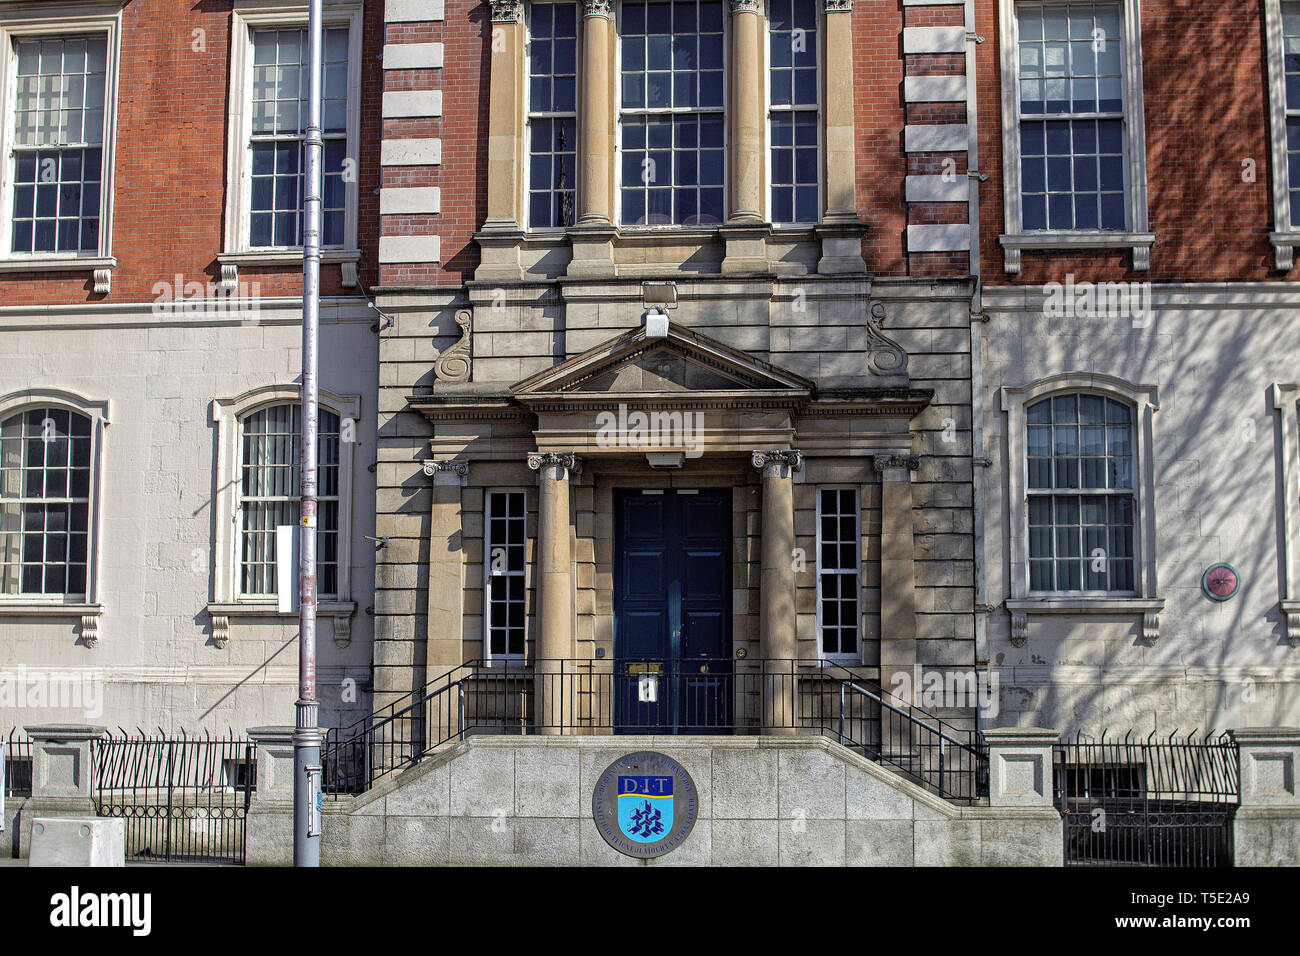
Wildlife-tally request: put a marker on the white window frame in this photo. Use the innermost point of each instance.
(1286, 234)
(526, 574)
(841, 657)
(227, 416)
(670, 111)
(90, 608)
(529, 116)
(769, 110)
(248, 16)
(30, 20)
(1144, 402)
(1285, 399)
(1138, 236)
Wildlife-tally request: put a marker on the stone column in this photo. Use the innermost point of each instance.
(553, 641)
(592, 237)
(1266, 826)
(776, 622)
(444, 643)
(502, 231)
(61, 775)
(269, 825)
(897, 589)
(745, 115)
(840, 230)
(745, 232)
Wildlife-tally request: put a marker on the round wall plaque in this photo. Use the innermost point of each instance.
(1220, 581)
(645, 804)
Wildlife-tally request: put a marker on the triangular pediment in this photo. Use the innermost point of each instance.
(682, 361)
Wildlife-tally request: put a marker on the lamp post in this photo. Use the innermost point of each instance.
(306, 737)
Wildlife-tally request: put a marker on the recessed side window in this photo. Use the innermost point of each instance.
(1071, 95)
(45, 497)
(838, 559)
(794, 83)
(269, 495)
(58, 137)
(1080, 469)
(506, 531)
(552, 113)
(671, 119)
(278, 108)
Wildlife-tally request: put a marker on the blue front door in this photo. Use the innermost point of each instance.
(672, 614)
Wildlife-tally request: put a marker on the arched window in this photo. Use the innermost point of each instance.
(1080, 490)
(269, 495)
(46, 477)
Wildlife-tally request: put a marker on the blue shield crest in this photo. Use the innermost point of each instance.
(645, 807)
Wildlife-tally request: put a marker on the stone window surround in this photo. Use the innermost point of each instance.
(1285, 399)
(1144, 400)
(1286, 234)
(853, 657)
(596, 199)
(89, 611)
(38, 19)
(226, 415)
(247, 16)
(1139, 238)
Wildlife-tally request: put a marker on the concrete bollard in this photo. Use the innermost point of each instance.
(78, 841)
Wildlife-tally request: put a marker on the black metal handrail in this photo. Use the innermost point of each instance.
(707, 695)
(17, 780)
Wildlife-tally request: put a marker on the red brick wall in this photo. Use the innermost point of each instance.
(1205, 79)
(878, 120)
(171, 162)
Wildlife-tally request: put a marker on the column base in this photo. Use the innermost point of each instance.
(593, 251)
(841, 247)
(746, 243)
(499, 248)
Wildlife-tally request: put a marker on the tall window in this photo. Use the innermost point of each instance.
(552, 113)
(58, 115)
(45, 480)
(504, 566)
(794, 83)
(268, 495)
(279, 128)
(1291, 64)
(1080, 491)
(671, 118)
(1071, 96)
(838, 550)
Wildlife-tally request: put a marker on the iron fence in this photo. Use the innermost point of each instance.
(183, 798)
(1147, 801)
(17, 764)
(705, 696)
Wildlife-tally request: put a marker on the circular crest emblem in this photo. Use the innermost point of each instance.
(1220, 581)
(645, 804)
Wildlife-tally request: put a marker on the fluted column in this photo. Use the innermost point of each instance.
(506, 115)
(553, 643)
(776, 609)
(745, 115)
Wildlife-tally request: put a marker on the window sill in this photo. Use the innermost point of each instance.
(100, 267)
(89, 614)
(230, 262)
(221, 613)
(1021, 608)
(1139, 242)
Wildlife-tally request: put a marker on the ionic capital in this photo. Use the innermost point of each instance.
(778, 464)
(567, 460)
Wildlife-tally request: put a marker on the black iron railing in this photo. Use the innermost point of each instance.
(17, 780)
(1150, 801)
(705, 696)
(183, 798)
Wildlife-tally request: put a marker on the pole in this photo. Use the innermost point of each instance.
(306, 737)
